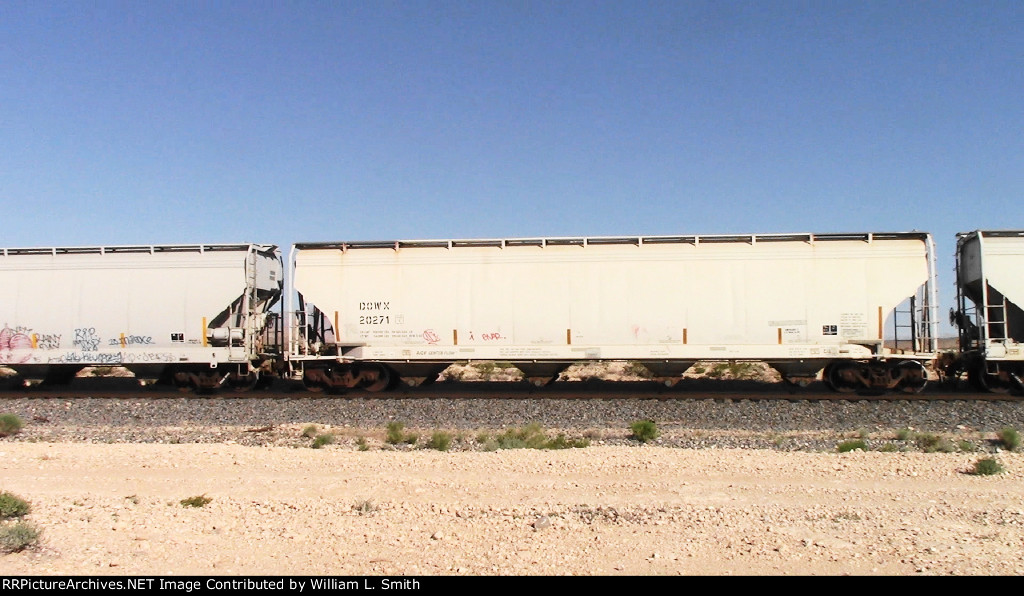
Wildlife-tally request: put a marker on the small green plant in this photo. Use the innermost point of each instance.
(10, 424)
(12, 505)
(644, 430)
(485, 370)
(197, 501)
(966, 446)
(455, 372)
(734, 370)
(361, 444)
(531, 436)
(364, 507)
(636, 369)
(395, 434)
(310, 431)
(1009, 438)
(987, 466)
(17, 536)
(904, 434)
(852, 445)
(440, 441)
(717, 370)
(930, 443)
(560, 442)
(889, 448)
(321, 440)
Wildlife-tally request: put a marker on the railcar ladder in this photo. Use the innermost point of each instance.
(995, 321)
(927, 337)
(970, 338)
(908, 324)
(915, 327)
(247, 315)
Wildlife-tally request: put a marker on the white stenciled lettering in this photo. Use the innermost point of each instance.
(380, 305)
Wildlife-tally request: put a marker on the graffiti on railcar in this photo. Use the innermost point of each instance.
(47, 341)
(87, 358)
(131, 357)
(16, 343)
(86, 339)
(111, 358)
(12, 340)
(131, 340)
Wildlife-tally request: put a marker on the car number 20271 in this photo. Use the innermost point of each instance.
(374, 320)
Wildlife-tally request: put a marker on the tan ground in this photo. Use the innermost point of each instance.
(638, 510)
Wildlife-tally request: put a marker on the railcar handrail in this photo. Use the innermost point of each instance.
(133, 248)
(607, 240)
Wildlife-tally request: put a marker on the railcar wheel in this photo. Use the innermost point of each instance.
(985, 381)
(973, 377)
(376, 378)
(311, 384)
(841, 378)
(207, 382)
(242, 382)
(913, 377)
(182, 381)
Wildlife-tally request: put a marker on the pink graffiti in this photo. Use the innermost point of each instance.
(11, 340)
(430, 336)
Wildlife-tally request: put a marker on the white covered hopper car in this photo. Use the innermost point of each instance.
(371, 313)
(195, 315)
(989, 315)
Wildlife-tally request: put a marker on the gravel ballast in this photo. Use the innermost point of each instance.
(691, 423)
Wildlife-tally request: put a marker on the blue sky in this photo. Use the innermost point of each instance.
(181, 122)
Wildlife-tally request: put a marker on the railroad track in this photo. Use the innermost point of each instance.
(688, 389)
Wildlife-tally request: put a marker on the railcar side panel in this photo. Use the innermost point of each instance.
(656, 298)
(997, 257)
(139, 307)
(990, 308)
